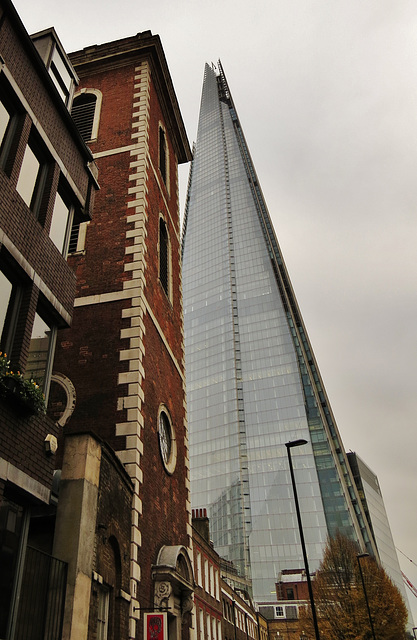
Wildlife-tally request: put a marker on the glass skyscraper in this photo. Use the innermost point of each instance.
(252, 380)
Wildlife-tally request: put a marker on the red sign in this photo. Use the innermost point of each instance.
(156, 626)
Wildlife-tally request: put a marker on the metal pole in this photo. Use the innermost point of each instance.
(297, 443)
(358, 557)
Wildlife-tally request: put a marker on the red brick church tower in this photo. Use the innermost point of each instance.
(122, 361)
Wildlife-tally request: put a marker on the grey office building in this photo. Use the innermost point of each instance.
(252, 380)
(374, 508)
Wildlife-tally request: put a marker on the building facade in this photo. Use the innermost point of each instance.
(123, 357)
(222, 610)
(253, 383)
(47, 181)
(374, 507)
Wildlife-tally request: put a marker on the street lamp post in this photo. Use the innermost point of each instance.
(290, 445)
(358, 557)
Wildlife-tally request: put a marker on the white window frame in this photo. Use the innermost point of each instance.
(103, 602)
(206, 576)
(199, 581)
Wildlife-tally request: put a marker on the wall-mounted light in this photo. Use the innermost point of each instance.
(51, 445)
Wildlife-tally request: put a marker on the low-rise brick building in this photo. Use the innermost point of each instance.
(47, 180)
(222, 607)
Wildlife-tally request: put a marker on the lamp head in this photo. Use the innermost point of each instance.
(295, 443)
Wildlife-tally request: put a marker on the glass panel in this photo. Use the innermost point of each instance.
(28, 176)
(102, 614)
(4, 121)
(39, 351)
(62, 70)
(59, 222)
(5, 294)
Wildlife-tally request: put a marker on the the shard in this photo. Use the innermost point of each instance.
(253, 383)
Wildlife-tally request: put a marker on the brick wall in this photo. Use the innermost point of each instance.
(124, 351)
(22, 442)
(112, 549)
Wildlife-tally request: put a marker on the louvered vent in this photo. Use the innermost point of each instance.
(83, 110)
(73, 241)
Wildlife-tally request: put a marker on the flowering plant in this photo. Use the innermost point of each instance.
(28, 390)
(4, 363)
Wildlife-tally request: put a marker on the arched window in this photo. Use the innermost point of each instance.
(164, 258)
(86, 113)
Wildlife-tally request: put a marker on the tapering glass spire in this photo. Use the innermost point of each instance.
(252, 380)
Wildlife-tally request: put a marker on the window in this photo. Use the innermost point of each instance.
(60, 75)
(279, 612)
(206, 575)
(6, 289)
(74, 236)
(77, 236)
(41, 350)
(164, 257)
(199, 581)
(201, 617)
(163, 155)
(208, 627)
(214, 629)
(86, 113)
(61, 220)
(291, 612)
(217, 585)
(10, 297)
(103, 613)
(167, 444)
(5, 118)
(32, 175)
(8, 110)
(57, 63)
(290, 593)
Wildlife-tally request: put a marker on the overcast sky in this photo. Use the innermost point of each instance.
(326, 92)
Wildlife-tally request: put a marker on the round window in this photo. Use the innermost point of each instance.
(167, 443)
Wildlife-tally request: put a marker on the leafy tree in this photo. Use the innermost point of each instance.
(340, 601)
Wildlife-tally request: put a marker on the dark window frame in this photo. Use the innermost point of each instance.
(163, 155)
(14, 109)
(164, 257)
(13, 274)
(65, 193)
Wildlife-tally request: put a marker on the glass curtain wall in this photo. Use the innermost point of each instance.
(250, 388)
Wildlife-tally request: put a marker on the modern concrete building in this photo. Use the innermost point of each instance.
(253, 383)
